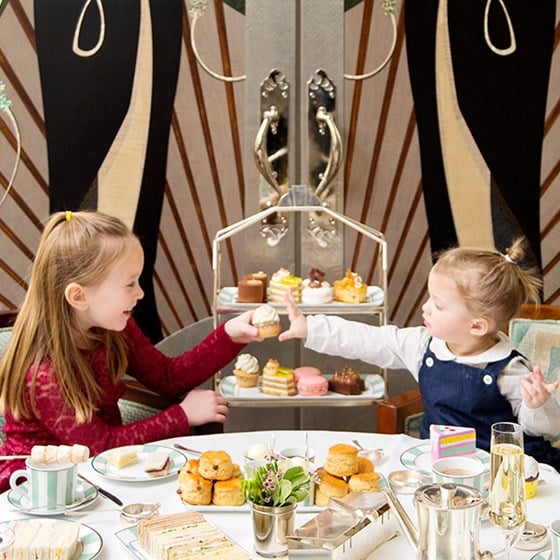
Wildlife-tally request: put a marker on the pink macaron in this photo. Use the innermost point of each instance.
(312, 386)
(306, 371)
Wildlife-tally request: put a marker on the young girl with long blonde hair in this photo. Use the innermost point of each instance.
(75, 337)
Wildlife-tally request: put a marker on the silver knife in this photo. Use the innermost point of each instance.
(102, 491)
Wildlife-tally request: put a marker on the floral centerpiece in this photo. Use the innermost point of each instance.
(276, 484)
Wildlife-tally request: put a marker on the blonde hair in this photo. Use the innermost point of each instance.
(493, 285)
(80, 247)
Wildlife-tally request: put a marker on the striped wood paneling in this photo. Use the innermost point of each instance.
(205, 179)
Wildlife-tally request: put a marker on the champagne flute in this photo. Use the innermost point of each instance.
(507, 481)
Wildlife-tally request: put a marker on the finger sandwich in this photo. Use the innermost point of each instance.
(122, 457)
(157, 464)
(43, 539)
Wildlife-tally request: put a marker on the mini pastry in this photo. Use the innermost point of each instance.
(267, 322)
(342, 460)
(347, 381)
(215, 465)
(279, 382)
(451, 441)
(312, 386)
(250, 291)
(315, 289)
(157, 464)
(281, 282)
(350, 289)
(246, 370)
(122, 457)
(531, 476)
(305, 371)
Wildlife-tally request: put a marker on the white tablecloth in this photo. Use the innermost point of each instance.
(104, 516)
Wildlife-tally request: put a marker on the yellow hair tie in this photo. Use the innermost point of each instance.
(68, 215)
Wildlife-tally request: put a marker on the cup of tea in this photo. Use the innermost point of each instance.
(47, 485)
(467, 471)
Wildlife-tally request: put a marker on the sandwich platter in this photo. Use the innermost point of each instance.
(90, 542)
(135, 471)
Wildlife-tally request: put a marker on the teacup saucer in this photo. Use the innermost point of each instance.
(85, 495)
(542, 555)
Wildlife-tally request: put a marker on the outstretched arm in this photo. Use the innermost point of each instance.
(535, 391)
(298, 322)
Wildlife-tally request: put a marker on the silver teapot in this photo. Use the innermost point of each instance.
(448, 522)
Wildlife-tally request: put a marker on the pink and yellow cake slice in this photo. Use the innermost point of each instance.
(450, 441)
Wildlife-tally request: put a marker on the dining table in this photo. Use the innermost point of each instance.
(399, 451)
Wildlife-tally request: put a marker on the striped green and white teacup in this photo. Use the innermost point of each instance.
(47, 485)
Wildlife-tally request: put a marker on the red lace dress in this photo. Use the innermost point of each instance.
(55, 422)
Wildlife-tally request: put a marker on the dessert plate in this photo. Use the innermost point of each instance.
(419, 458)
(90, 542)
(374, 296)
(86, 493)
(135, 472)
(375, 389)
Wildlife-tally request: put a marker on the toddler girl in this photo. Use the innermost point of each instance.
(468, 372)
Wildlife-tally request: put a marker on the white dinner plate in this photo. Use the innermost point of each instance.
(85, 495)
(375, 389)
(419, 458)
(374, 296)
(135, 472)
(90, 542)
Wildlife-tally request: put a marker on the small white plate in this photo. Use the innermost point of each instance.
(135, 472)
(419, 458)
(90, 542)
(85, 495)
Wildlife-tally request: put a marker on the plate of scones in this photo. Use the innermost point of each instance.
(139, 463)
(213, 483)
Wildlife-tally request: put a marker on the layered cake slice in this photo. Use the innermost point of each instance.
(281, 282)
(278, 381)
(450, 441)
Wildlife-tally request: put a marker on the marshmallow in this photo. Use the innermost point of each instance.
(59, 454)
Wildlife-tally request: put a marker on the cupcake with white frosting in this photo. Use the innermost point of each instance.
(246, 370)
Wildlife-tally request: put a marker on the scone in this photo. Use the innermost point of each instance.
(267, 322)
(365, 465)
(228, 493)
(246, 370)
(215, 465)
(342, 460)
(364, 482)
(330, 487)
(194, 489)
